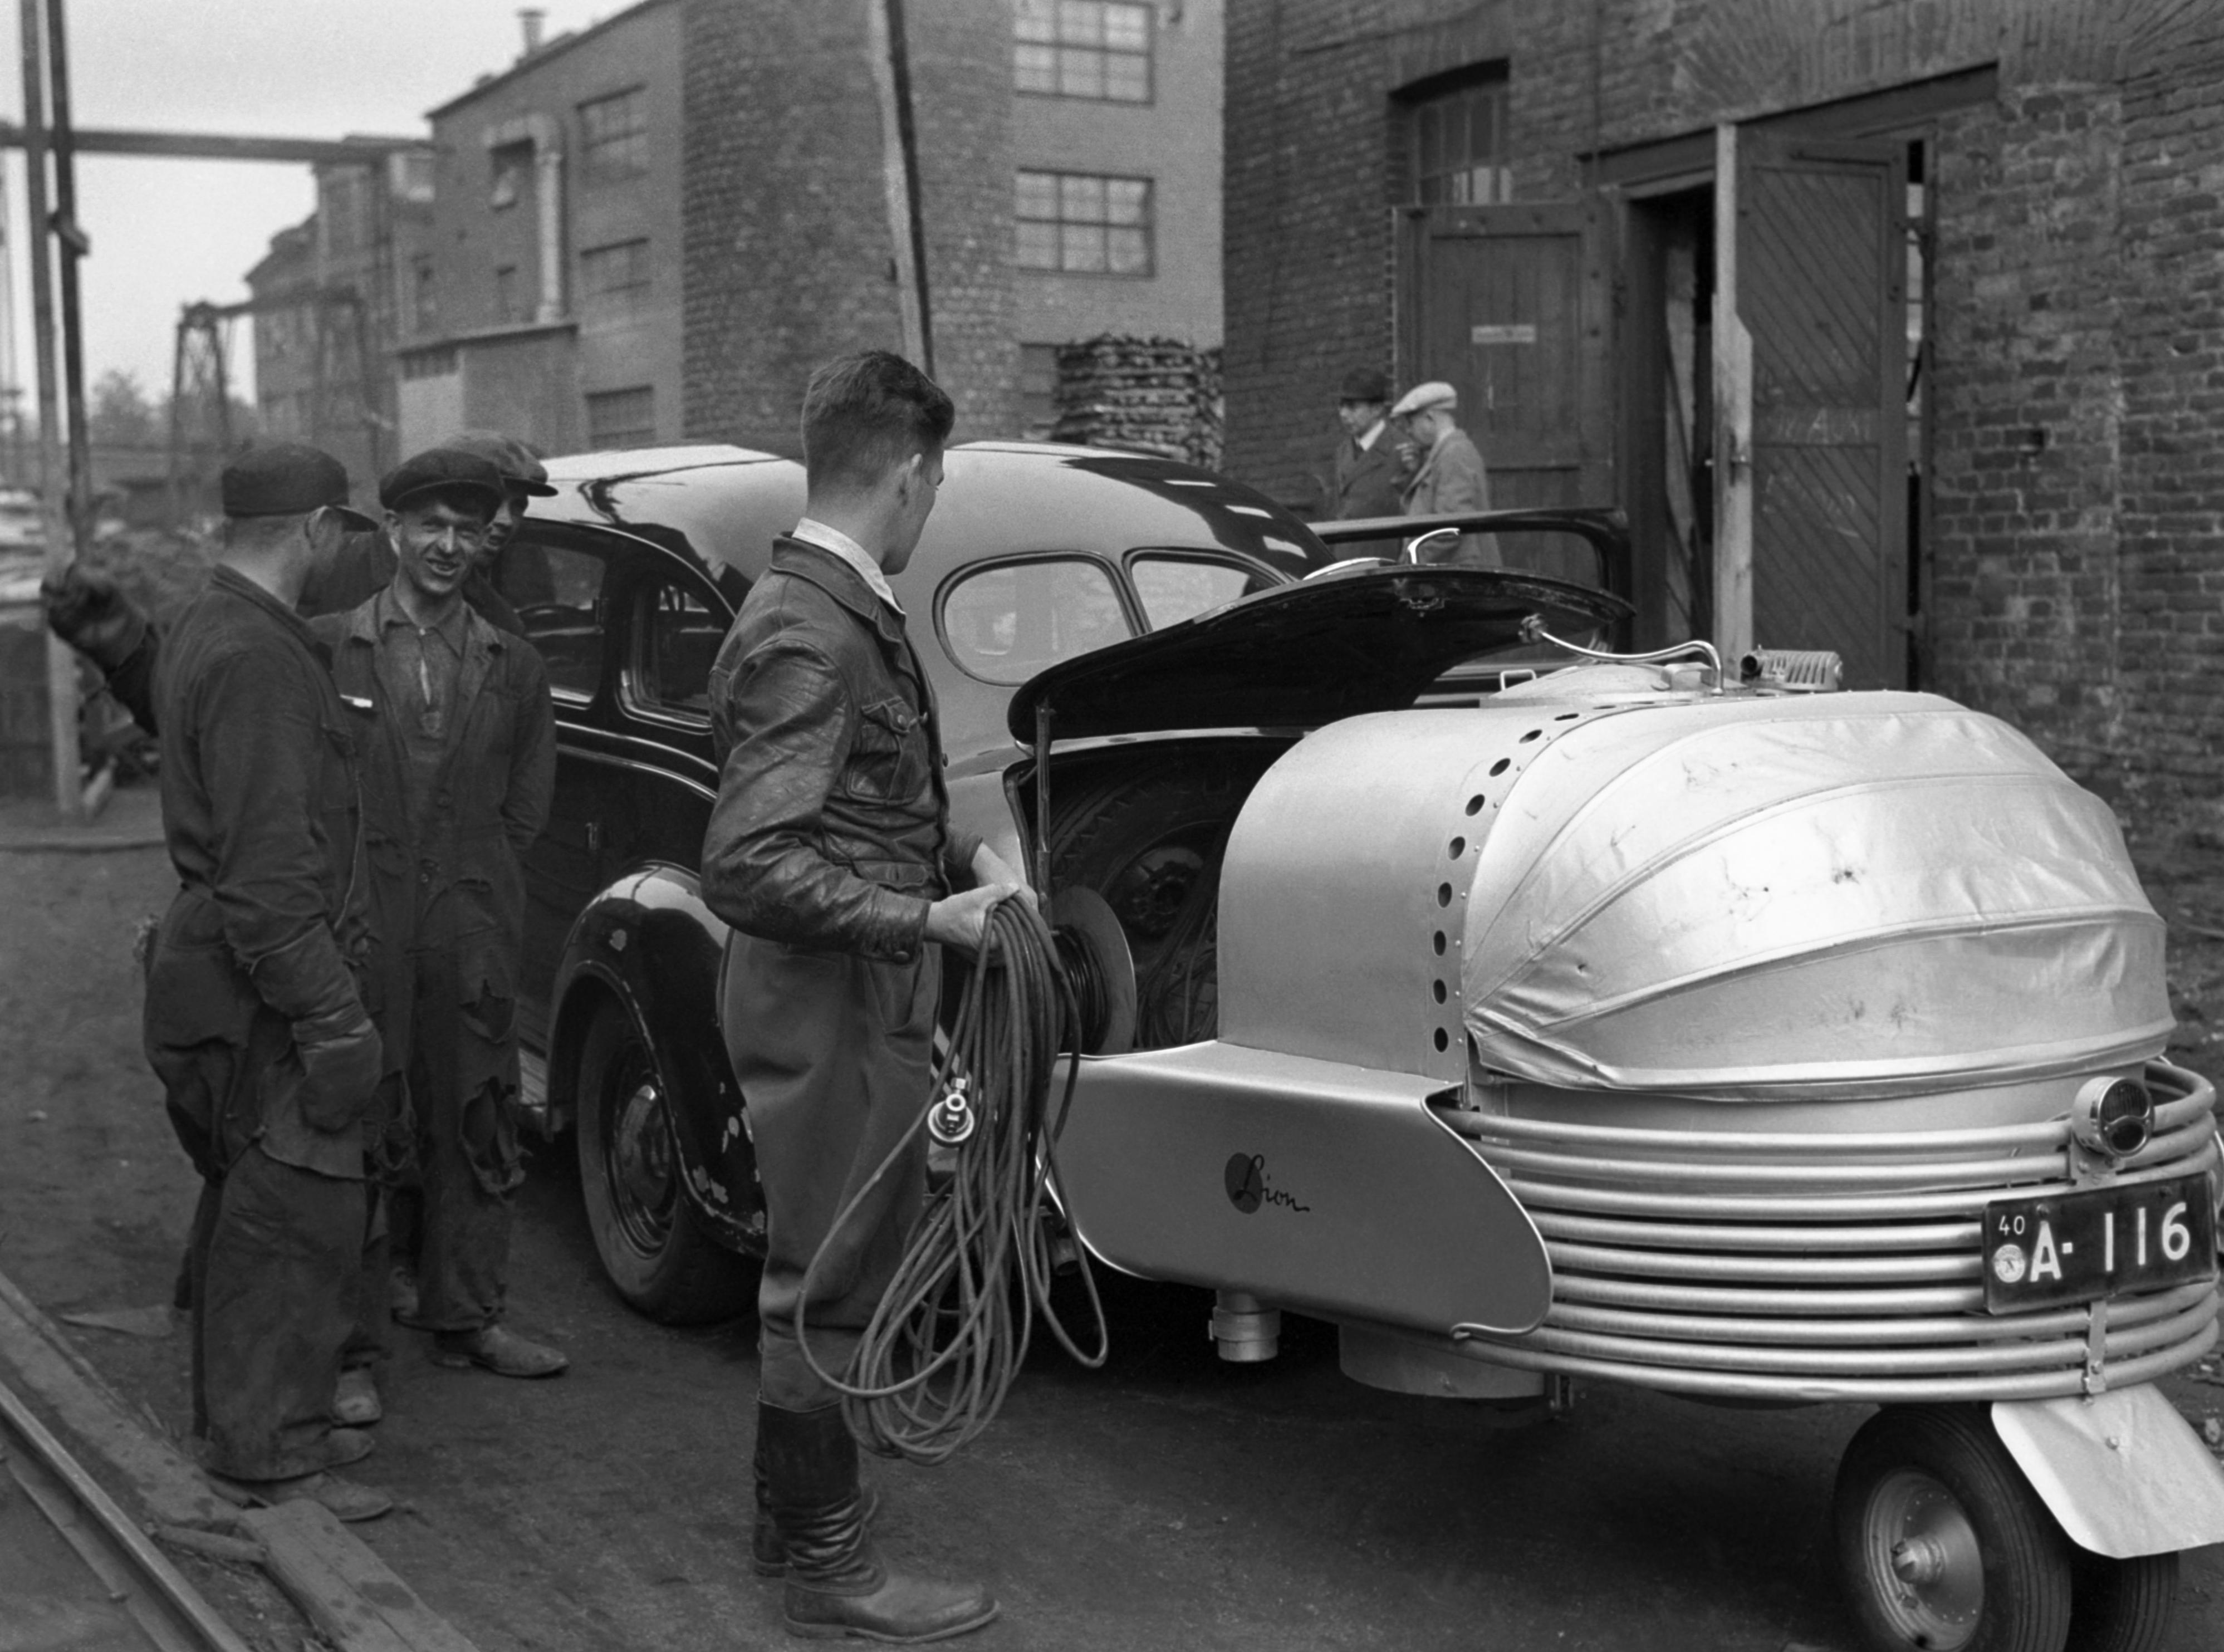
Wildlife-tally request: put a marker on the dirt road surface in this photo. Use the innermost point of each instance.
(1170, 1501)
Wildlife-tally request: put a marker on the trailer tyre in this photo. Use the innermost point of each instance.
(656, 1249)
(1942, 1545)
(2121, 1606)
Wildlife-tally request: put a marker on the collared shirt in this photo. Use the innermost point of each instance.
(833, 539)
(417, 667)
(1366, 443)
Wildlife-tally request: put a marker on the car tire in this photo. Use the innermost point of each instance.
(1942, 1544)
(656, 1249)
(2121, 1606)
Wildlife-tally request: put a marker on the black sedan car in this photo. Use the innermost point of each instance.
(1036, 556)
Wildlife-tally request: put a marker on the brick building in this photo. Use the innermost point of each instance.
(1894, 325)
(547, 300)
(1069, 184)
(325, 301)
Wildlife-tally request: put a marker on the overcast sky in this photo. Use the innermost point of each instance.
(167, 232)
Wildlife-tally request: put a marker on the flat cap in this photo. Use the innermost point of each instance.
(441, 467)
(284, 479)
(1422, 397)
(520, 466)
(1366, 384)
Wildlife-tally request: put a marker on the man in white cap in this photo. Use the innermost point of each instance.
(1450, 476)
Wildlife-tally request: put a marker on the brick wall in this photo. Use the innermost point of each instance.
(2077, 586)
(787, 255)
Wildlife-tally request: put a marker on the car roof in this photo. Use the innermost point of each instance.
(723, 506)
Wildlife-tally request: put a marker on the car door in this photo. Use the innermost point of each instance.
(674, 623)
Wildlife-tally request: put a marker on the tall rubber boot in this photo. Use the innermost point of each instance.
(767, 1550)
(837, 1585)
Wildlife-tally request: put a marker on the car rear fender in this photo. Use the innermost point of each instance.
(649, 943)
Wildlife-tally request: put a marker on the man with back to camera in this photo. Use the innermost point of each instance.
(256, 1021)
(830, 853)
(1368, 476)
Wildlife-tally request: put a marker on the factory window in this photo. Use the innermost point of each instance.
(622, 418)
(511, 162)
(616, 133)
(1084, 224)
(1457, 152)
(424, 298)
(614, 279)
(1005, 623)
(1083, 48)
(436, 364)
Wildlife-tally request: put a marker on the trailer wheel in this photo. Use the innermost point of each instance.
(2121, 1606)
(1942, 1545)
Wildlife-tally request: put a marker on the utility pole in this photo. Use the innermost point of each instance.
(61, 136)
(61, 664)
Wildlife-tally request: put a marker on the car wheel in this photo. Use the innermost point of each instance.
(1942, 1545)
(2121, 1606)
(654, 1248)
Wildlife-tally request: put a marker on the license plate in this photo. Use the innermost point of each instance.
(2075, 1247)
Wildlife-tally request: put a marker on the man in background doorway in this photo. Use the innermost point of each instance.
(1447, 477)
(1367, 468)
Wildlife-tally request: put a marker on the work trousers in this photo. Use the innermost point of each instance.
(463, 1091)
(832, 1052)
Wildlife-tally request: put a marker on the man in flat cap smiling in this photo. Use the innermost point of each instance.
(459, 755)
(257, 1020)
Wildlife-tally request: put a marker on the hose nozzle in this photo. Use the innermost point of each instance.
(951, 1119)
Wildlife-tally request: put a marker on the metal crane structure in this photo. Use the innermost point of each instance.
(202, 439)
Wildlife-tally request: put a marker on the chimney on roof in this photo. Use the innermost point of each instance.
(530, 18)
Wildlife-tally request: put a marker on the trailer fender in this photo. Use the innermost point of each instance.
(2122, 1472)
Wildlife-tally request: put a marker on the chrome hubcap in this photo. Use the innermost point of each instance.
(642, 1165)
(1925, 1567)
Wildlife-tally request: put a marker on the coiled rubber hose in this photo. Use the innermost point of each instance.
(952, 1328)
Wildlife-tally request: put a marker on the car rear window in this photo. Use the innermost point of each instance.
(1005, 623)
(1175, 587)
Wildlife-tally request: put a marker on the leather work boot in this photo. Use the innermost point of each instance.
(356, 1401)
(768, 1551)
(498, 1349)
(837, 1585)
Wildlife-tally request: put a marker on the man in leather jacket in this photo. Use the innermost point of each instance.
(255, 1020)
(830, 853)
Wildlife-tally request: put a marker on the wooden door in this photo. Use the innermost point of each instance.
(1509, 304)
(1820, 285)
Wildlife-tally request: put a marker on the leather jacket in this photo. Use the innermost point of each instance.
(832, 831)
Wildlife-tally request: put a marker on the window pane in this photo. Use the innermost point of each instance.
(1034, 68)
(1035, 20)
(1037, 195)
(1083, 246)
(1005, 624)
(622, 418)
(1080, 73)
(1127, 253)
(1124, 198)
(1127, 79)
(677, 638)
(1081, 22)
(1081, 198)
(558, 597)
(1038, 245)
(1174, 589)
(1127, 28)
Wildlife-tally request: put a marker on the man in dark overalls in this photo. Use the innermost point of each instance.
(830, 853)
(459, 766)
(256, 1021)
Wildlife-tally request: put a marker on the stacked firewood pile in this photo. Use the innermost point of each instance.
(1151, 395)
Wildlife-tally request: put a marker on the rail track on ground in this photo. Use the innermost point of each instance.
(74, 1568)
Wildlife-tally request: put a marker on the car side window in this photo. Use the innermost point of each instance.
(677, 632)
(1173, 588)
(1005, 623)
(557, 593)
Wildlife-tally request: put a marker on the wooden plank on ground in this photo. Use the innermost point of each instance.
(346, 1590)
(166, 1482)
